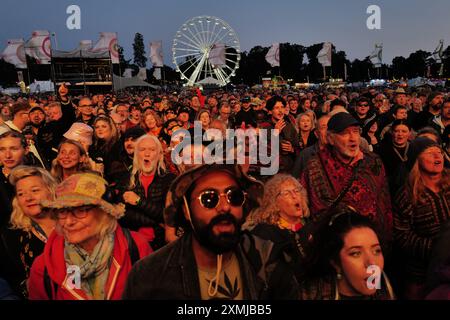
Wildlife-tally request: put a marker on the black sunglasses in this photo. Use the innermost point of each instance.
(210, 199)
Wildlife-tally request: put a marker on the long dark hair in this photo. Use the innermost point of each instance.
(328, 239)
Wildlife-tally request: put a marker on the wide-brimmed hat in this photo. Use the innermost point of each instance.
(83, 189)
(400, 90)
(173, 214)
(80, 132)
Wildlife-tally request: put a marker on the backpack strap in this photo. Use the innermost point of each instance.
(132, 247)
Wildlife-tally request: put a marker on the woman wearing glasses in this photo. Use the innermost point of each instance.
(89, 256)
(421, 207)
(24, 239)
(284, 211)
(344, 260)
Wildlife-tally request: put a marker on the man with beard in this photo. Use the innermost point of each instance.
(148, 185)
(442, 119)
(37, 119)
(213, 259)
(431, 110)
(343, 173)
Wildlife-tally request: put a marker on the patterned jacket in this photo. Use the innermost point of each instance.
(417, 226)
(325, 176)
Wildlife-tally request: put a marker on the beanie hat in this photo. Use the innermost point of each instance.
(418, 146)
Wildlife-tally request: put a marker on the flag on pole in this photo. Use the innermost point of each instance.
(438, 52)
(216, 56)
(324, 55)
(127, 73)
(85, 44)
(142, 74)
(156, 54)
(39, 46)
(157, 73)
(376, 57)
(108, 42)
(14, 53)
(273, 56)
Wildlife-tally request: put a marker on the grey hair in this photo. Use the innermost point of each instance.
(269, 212)
(161, 166)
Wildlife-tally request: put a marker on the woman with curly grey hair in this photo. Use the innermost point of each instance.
(283, 213)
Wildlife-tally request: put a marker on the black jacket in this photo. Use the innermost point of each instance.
(6, 197)
(149, 211)
(171, 273)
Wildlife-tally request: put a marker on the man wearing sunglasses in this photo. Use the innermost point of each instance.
(213, 259)
(86, 111)
(363, 112)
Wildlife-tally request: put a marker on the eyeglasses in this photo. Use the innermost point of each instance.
(78, 212)
(209, 199)
(294, 192)
(363, 105)
(85, 105)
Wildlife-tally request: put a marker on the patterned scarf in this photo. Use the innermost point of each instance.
(94, 267)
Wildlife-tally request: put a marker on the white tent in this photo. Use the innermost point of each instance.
(122, 83)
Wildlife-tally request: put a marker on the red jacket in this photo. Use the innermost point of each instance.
(53, 260)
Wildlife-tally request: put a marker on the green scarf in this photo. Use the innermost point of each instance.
(94, 268)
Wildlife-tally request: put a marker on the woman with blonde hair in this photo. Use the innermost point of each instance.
(71, 158)
(281, 216)
(30, 226)
(305, 122)
(421, 207)
(90, 255)
(105, 136)
(151, 123)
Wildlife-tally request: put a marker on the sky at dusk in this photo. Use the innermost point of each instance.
(406, 25)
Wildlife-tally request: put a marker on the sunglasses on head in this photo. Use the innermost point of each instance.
(210, 199)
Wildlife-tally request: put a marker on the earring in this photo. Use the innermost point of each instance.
(339, 276)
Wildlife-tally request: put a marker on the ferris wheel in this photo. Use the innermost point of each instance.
(206, 50)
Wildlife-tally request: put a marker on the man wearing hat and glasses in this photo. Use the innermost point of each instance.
(342, 172)
(213, 259)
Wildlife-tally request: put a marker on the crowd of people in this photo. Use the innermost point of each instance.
(93, 205)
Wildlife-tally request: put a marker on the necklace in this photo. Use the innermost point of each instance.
(404, 158)
(38, 232)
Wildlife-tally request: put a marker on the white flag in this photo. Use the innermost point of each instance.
(14, 53)
(127, 73)
(108, 42)
(438, 52)
(85, 44)
(142, 74)
(39, 46)
(216, 56)
(273, 56)
(156, 54)
(324, 55)
(157, 73)
(376, 57)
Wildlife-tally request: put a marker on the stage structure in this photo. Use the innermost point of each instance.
(87, 71)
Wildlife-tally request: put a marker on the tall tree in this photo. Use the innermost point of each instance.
(416, 64)
(399, 67)
(139, 51)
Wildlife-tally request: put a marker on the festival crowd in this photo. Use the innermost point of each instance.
(93, 205)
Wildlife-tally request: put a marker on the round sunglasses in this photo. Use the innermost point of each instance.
(209, 199)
